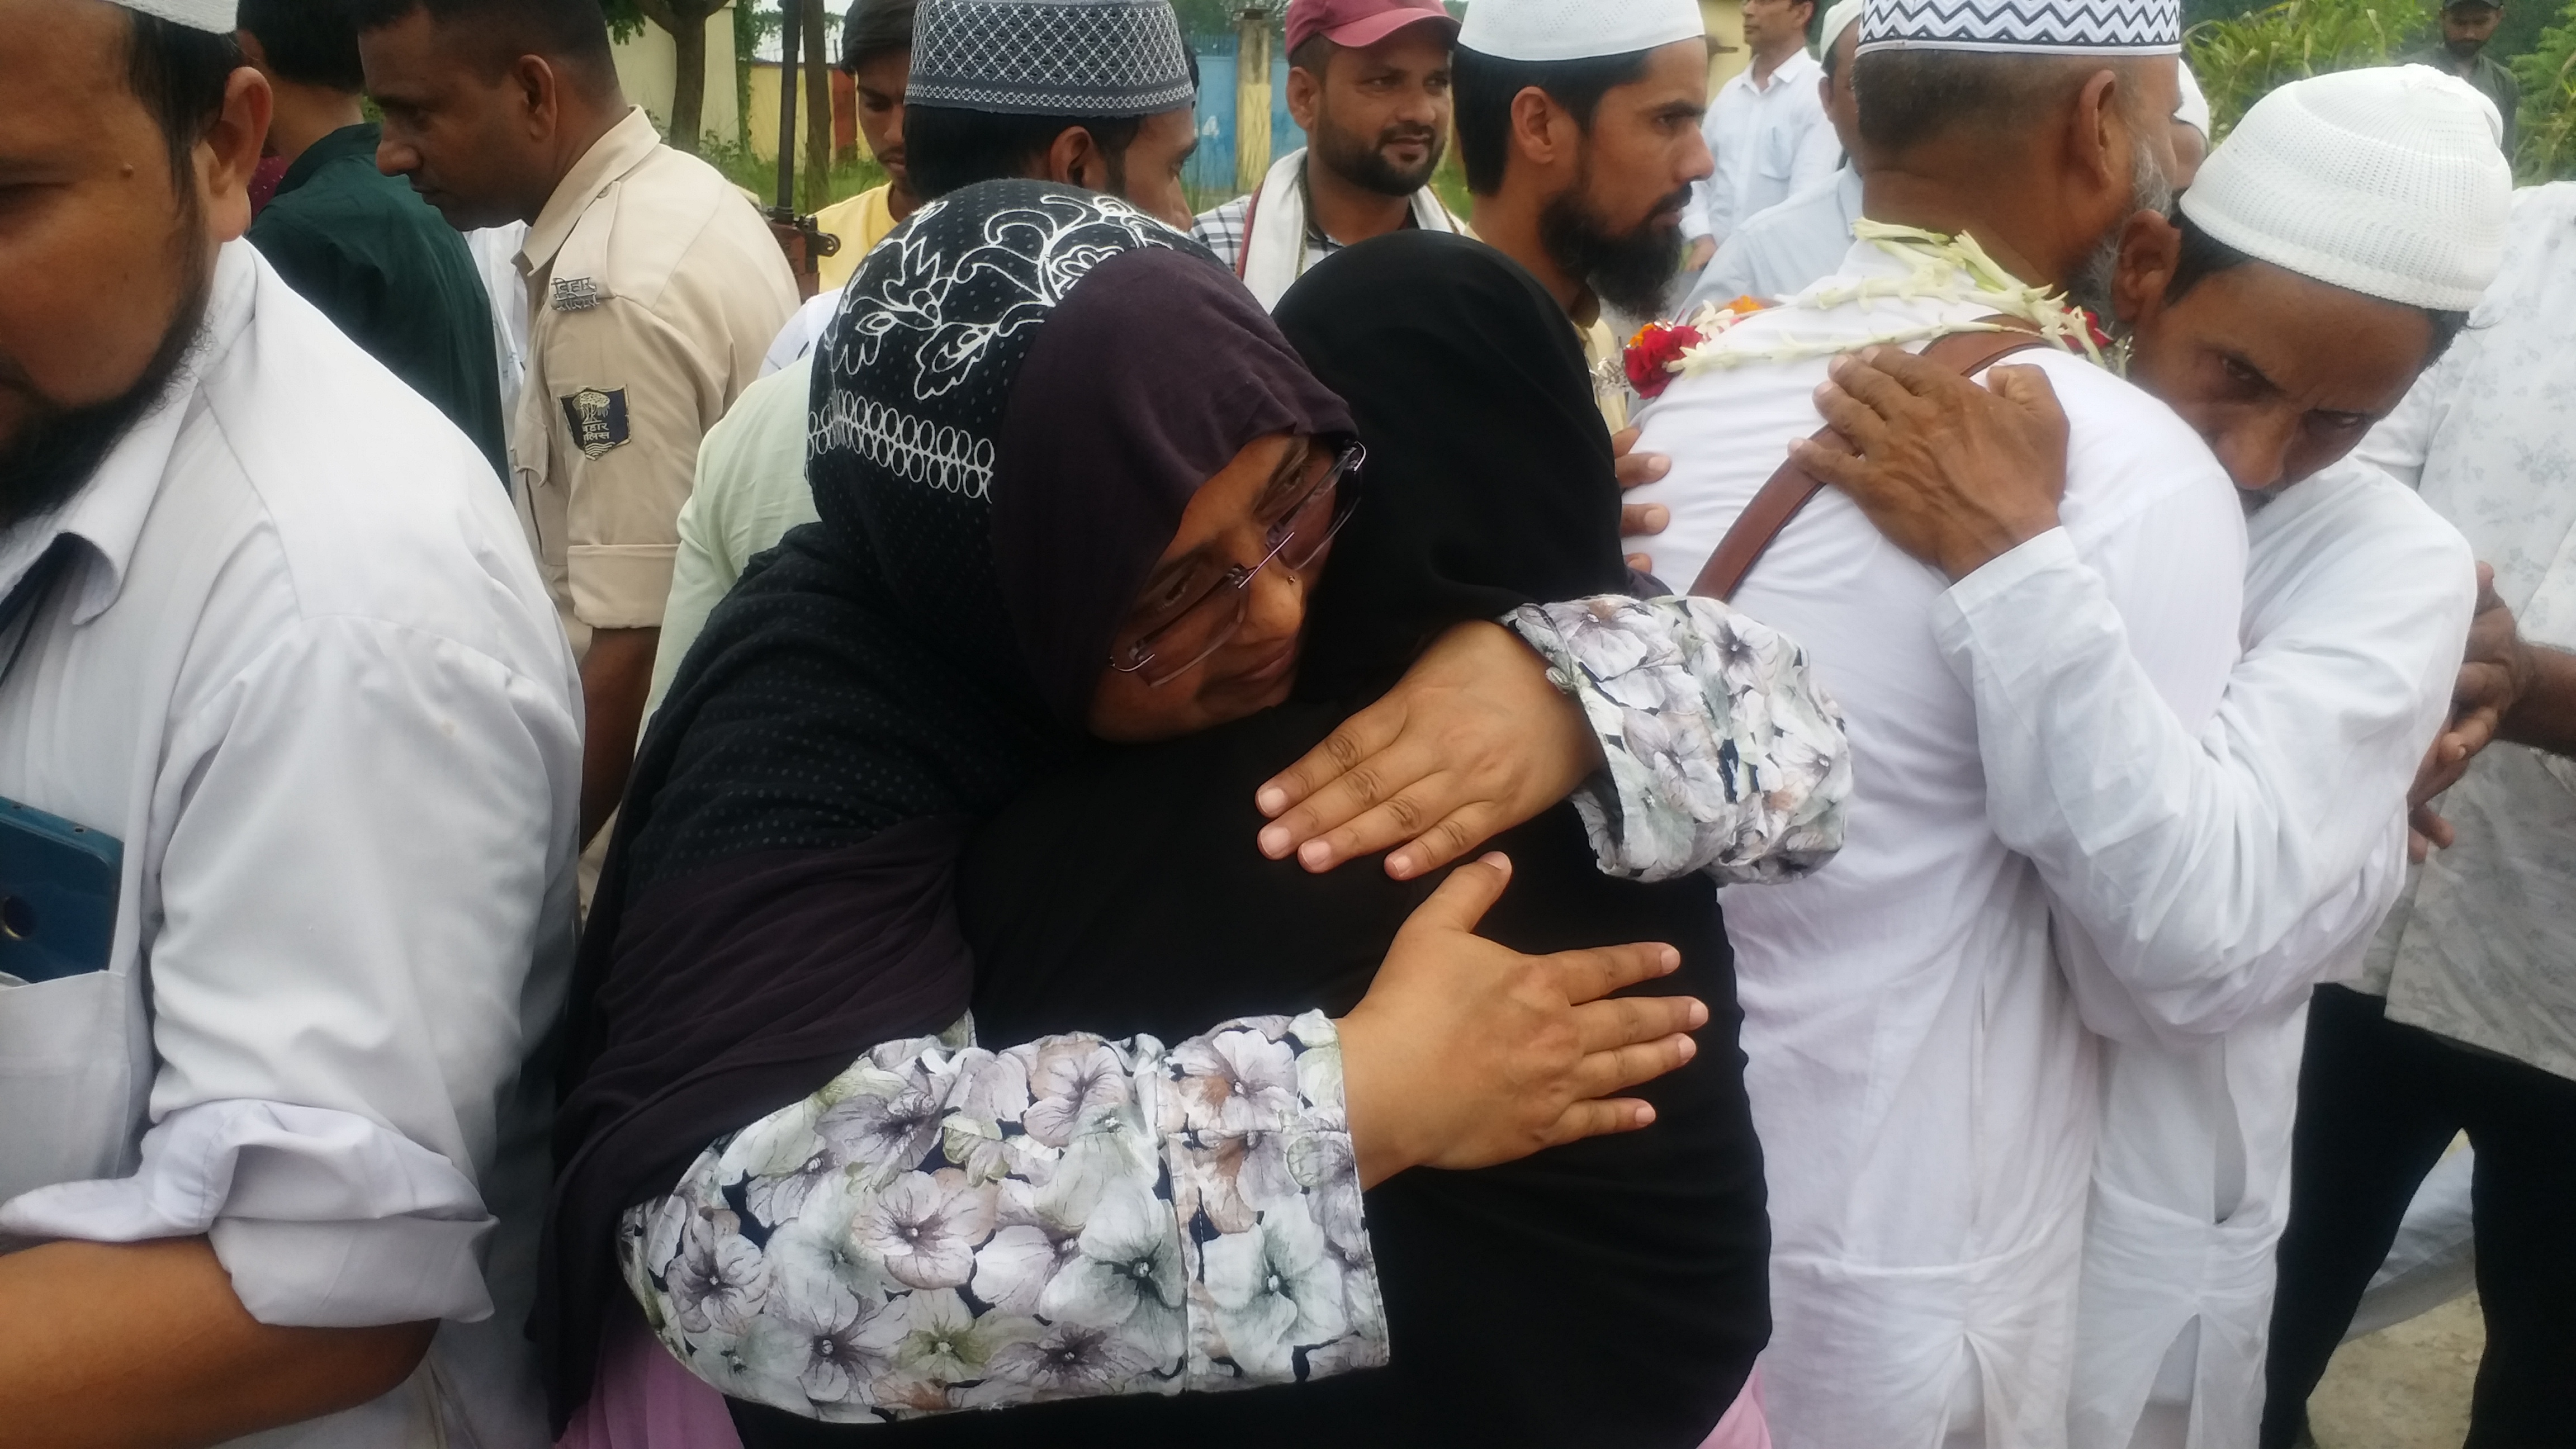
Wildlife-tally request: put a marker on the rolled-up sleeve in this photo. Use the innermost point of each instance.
(343, 942)
(1722, 752)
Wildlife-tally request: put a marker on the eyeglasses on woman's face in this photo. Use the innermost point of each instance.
(1190, 612)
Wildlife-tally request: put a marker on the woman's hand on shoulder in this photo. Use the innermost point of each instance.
(1471, 742)
(1465, 1053)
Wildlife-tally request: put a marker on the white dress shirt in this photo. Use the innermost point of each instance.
(2478, 951)
(305, 670)
(1770, 141)
(2216, 877)
(1779, 252)
(1925, 1089)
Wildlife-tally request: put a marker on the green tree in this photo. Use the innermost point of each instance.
(2239, 58)
(2548, 120)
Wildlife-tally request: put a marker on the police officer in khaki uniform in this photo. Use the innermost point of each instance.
(655, 288)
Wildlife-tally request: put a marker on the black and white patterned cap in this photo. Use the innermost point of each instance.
(1050, 57)
(2025, 27)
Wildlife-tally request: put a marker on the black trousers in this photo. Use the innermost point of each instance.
(2378, 1103)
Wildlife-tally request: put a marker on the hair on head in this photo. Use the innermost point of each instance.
(1481, 88)
(950, 147)
(179, 74)
(2202, 256)
(309, 42)
(1315, 56)
(559, 30)
(874, 28)
(1908, 97)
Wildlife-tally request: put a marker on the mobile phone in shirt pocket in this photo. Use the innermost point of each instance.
(58, 883)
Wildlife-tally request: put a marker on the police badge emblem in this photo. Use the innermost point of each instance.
(597, 419)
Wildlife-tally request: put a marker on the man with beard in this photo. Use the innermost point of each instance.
(1578, 127)
(290, 748)
(1925, 1088)
(2329, 252)
(1368, 81)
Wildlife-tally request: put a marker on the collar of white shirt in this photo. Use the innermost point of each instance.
(108, 511)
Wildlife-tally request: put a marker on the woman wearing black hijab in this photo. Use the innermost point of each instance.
(773, 918)
(1609, 1292)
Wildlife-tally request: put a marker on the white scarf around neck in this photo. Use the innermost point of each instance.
(1275, 251)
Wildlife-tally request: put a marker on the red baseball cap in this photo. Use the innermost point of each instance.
(1356, 24)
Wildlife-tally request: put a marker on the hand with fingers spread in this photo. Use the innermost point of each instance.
(1953, 473)
(1465, 1053)
(1471, 742)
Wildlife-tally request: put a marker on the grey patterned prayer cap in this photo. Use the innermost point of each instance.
(1050, 57)
(2024, 27)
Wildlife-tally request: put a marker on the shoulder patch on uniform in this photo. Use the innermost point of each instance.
(597, 419)
(576, 294)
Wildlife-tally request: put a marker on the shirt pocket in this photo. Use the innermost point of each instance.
(1775, 153)
(68, 1099)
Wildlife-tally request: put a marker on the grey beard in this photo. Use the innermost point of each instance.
(2149, 190)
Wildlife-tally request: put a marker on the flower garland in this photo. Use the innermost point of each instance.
(1938, 267)
(1653, 355)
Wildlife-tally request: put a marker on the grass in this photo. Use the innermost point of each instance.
(759, 175)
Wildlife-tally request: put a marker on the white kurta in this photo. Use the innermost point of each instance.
(2215, 879)
(307, 673)
(1779, 252)
(1926, 1093)
(1770, 142)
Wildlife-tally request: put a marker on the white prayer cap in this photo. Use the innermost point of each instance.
(2388, 182)
(214, 15)
(2193, 109)
(2053, 27)
(1840, 18)
(1550, 30)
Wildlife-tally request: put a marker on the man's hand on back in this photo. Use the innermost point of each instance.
(1953, 473)
(1636, 470)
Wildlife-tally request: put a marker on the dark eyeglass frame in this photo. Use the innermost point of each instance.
(1234, 584)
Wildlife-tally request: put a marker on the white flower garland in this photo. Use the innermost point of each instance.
(1940, 268)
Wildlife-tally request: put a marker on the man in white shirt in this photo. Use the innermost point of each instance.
(2464, 1018)
(1766, 128)
(280, 678)
(2236, 868)
(1926, 1091)
(1780, 250)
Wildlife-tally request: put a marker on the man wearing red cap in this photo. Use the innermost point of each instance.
(1368, 80)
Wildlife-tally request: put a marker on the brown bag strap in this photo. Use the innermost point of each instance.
(1788, 491)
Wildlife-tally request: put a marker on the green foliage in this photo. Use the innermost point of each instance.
(759, 174)
(625, 18)
(2548, 119)
(2240, 58)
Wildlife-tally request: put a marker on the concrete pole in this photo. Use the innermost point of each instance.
(1251, 99)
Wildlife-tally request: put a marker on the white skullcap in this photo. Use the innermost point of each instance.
(1844, 15)
(214, 15)
(2193, 109)
(2388, 182)
(1548, 30)
(2017, 27)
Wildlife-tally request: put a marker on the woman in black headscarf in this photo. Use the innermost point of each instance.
(1609, 1292)
(774, 919)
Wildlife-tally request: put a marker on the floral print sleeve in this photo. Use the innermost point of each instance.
(949, 1227)
(1725, 755)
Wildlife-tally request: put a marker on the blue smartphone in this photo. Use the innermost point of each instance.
(58, 886)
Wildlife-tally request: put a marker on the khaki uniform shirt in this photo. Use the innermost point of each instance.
(654, 291)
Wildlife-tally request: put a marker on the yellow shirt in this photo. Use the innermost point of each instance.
(653, 291)
(860, 222)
